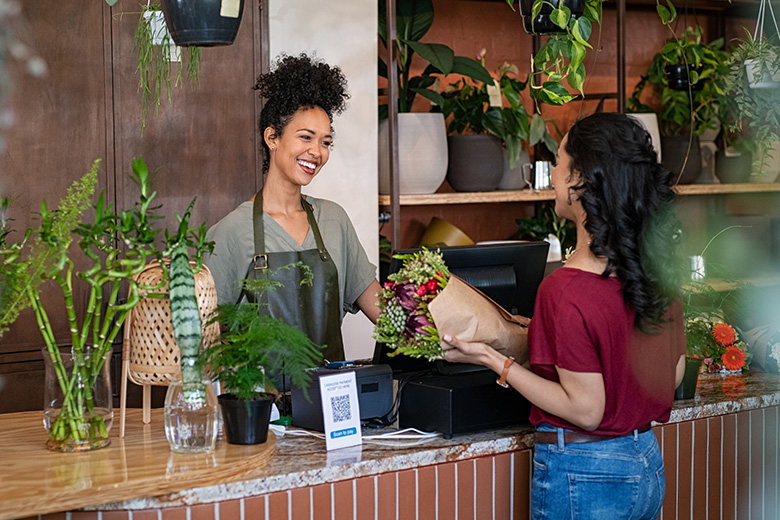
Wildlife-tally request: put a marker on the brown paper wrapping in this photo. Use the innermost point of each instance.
(463, 311)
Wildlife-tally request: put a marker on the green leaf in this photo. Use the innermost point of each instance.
(471, 68)
(560, 17)
(576, 78)
(550, 143)
(438, 55)
(414, 18)
(494, 123)
(663, 14)
(434, 97)
(537, 129)
(581, 30)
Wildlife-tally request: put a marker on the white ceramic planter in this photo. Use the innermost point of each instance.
(650, 122)
(422, 153)
(757, 79)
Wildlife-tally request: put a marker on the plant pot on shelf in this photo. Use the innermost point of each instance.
(205, 23)
(732, 166)
(512, 179)
(542, 23)
(768, 169)
(245, 422)
(422, 153)
(475, 162)
(687, 388)
(676, 151)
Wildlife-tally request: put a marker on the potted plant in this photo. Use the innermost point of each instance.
(114, 248)
(754, 109)
(156, 53)
(203, 23)
(252, 346)
(562, 56)
(478, 124)
(422, 138)
(684, 114)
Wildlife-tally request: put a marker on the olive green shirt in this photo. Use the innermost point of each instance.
(235, 247)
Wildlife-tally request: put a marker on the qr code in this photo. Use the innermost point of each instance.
(341, 408)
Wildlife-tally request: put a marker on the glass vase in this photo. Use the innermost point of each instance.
(77, 409)
(191, 416)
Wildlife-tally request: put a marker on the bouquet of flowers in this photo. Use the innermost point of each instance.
(406, 324)
(718, 344)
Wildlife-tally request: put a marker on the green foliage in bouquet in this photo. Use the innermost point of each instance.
(405, 323)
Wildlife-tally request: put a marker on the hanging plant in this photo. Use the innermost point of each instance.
(752, 88)
(562, 57)
(156, 51)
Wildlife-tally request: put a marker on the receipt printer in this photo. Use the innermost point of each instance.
(374, 390)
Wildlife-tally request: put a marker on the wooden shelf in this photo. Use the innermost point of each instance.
(542, 195)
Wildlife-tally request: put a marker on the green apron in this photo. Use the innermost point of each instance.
(314, 309)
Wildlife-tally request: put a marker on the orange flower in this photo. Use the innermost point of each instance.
(733, 359)
(724, 334)
(733, 387)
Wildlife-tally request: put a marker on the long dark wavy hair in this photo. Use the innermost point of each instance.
(627, 197)
(298, 82)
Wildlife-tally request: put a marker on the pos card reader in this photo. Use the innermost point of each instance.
(374, 390)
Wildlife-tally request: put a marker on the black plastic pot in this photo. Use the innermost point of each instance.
(542, 23)
(687, 388)
(245, 422)
(201, 22)
(474, 162)
(674, 149)
(733, 168)
(678, 78)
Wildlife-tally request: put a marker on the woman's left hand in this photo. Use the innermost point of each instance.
(458, 351)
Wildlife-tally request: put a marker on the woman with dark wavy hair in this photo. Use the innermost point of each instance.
(279, 226)
(607, 342)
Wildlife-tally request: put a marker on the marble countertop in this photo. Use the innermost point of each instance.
(301, 461)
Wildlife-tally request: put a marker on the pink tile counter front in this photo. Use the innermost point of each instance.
(720, 449)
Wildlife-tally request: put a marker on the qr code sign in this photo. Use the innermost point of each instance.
(341, 408)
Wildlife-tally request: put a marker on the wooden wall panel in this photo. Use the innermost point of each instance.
(59, 129)
(203, 142)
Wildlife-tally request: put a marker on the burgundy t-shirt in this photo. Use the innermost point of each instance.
(582, 324)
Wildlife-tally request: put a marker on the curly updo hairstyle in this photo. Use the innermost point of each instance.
(627, 196)
(298, 82)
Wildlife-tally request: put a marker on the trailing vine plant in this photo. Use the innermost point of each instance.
(156, 51)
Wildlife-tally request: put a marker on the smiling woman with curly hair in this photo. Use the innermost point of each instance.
(279, 226)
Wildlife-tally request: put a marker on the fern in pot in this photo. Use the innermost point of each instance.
(251, 347)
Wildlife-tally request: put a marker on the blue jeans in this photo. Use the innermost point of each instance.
(611, 479)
